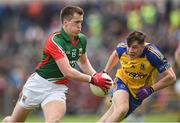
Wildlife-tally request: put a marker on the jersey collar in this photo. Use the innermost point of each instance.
(74, 42)
(67, 38)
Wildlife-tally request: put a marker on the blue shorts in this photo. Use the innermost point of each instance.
(133, 103)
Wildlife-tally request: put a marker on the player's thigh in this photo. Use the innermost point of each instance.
(121, 100)
(54, 106)
(54, 110)
(19, 114)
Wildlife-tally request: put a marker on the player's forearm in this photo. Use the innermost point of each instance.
(87, 68)
(70, 72)
(109, 66)
(112, 61)
(73, 74)
(166, 81)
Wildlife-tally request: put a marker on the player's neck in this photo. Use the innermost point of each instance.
(70, 34)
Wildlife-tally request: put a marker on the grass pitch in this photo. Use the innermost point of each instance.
(168, 117)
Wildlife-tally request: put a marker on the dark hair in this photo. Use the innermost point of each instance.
(136, 36)
(68, 11)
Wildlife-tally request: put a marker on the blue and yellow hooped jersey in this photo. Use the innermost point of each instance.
(141, 71)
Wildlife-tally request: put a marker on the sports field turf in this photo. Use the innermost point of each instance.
(168, 117)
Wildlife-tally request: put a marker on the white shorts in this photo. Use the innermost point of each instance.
(38, 90)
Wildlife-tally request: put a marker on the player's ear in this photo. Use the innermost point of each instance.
(64, 22)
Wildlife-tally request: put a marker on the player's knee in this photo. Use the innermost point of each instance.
(7, 119)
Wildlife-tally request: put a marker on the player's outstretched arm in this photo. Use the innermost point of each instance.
(73, 74)
(112, 61)
(70, 72)
(169, 77)
(158, 60)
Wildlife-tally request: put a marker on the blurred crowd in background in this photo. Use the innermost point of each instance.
(24, 27)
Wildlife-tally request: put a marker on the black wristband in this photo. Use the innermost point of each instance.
(105, 72)
(152, 90)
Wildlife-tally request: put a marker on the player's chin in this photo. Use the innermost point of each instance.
(133, 56)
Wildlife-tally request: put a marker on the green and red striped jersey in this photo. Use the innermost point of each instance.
(56, 47)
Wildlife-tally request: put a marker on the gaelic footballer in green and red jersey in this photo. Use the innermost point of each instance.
(56, 46)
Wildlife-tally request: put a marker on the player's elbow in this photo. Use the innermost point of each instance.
(68, 73)
(173, 78)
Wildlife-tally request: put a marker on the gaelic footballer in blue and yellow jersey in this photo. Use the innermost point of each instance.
(134, 82)
(141, 71)
(56, 46)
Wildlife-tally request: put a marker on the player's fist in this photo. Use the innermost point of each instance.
(98, 80)
(144, 92)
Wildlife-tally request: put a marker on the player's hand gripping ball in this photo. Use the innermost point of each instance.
(101, 92)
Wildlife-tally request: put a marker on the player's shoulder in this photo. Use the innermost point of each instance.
(121, 48)
(122, 44)
(153, 51)
(56, 36)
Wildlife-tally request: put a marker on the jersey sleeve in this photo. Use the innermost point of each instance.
(157, 59)
(120, 49)
(53, 49)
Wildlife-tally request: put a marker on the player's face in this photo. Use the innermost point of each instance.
(135, 50)
(73, 26)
